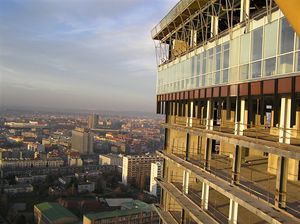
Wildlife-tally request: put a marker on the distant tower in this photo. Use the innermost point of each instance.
(93, 121)
(82, 141)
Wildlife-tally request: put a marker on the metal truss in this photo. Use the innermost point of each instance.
(200, 21)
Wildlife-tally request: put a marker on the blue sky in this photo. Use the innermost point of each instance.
(79, 54)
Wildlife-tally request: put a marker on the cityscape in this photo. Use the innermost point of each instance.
(98, 125)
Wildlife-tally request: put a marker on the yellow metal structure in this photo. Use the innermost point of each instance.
(291, 10)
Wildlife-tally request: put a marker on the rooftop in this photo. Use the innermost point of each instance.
(133, 207)
(55, 212)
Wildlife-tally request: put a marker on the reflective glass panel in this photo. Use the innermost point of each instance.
(257, 37)
(270, 67)
(286, 36)
(285, 63)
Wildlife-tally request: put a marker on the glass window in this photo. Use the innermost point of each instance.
(297, 63)
(256, 69)
(270, 67)
(210, 60)
(286, 37)
(245, 48)
(285, 63)
(197, 82)
(204, 63)
(217, 77)
(257, 37)
(234, 52)
(218, 61)
(244, 72)
(298, 44)
(226, 55)
(225, 76)
(270, 39)
(198, 64)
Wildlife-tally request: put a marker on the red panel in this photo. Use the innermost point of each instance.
(269, 87)
(255, 88)
(297, 84)
(244, 89)
(285, 85)
(233, 90)
(202, 93)
(224, 91)
(209, 92)
(186, 95)
(181, 95)
(191, 94)
(197, 93)
(216, 91)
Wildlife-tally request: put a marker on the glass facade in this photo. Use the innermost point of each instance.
(269, 50)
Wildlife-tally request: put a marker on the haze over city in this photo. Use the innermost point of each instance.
(93, 55)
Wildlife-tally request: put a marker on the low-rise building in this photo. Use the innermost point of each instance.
(18, 188)
(86, 187)
(30, 179)
(53, 213)
(17, 163)
(131, 212)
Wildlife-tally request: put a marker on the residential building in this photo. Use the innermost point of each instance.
(156, 172)
(131, 212)
(86, 187)
(53, 213)
(228, 85)
(93, 120)
(18, 188)
(112, 160)
(82, 141)
(136, 169)
(19, 163)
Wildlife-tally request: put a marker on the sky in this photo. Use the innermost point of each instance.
(79, 54)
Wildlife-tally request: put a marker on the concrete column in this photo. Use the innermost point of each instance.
(214, 28)
(282, 162)
(281, 182)
(193, 40)
(204, 196)
(209, 116)
(245, 10)
(185, 184)
(233, 212)
(190, 123)
(285, 121)
(236, 164)
(187, 146)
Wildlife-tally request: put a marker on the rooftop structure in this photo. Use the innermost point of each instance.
(228, 83)
(53, 213)
(134, 211)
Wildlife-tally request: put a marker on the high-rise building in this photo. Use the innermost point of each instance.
(136, 169)
(156, 172)
(228, 83)
(93, 120)
(82, 141)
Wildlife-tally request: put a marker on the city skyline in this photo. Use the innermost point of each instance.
(94, 55)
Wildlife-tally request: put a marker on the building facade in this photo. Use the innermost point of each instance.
(93, 121)
(82, 141)
(156, 172)
(130, 212)
(136, 169)
(229, 86)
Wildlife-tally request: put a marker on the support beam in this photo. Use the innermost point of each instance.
(185, 184)
(214, 28)
(245, 10)
(233, 212)
(282, 162)
(204, 196)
